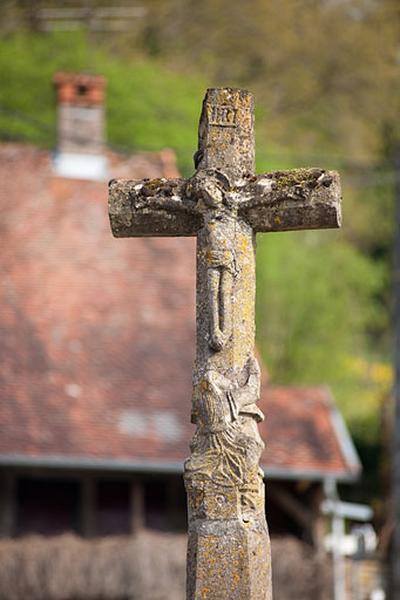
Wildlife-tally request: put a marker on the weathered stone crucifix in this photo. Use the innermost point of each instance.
(225, 204)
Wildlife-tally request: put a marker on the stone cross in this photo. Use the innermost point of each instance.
(224, 204)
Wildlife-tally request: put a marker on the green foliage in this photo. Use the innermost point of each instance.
(151, 108)
(326, 72)
(148, 107)
(27, 64)
(317, 298)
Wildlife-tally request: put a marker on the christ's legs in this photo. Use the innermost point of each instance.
(220, 290)
(225, 303)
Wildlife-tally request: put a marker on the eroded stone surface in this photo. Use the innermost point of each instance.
(228, 548)
(225, 204)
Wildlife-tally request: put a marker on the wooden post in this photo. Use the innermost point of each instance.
(137, 506)
(318, 520)
(88, 525)
(8, 504)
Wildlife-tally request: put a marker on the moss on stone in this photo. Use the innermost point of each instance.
(159, 186)
(296, 177)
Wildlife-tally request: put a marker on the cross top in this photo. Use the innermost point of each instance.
(224, 178)
(226, 132)
(224, 204)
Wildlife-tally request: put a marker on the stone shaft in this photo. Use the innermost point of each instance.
(240, 574)
(228, 546)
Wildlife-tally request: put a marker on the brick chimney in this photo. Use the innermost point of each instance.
(80, 125)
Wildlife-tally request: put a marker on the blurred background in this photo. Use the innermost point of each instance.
(97, 335)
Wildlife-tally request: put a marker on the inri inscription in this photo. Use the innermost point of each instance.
(222, 116)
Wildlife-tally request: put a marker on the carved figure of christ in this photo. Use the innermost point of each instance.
(225, 204)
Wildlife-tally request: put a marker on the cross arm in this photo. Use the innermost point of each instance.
(156, 207)
(290, 200)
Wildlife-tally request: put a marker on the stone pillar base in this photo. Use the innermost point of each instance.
(229, 548)
(229, 560)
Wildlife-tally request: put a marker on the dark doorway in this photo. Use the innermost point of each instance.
(47, 506)
(113, 507)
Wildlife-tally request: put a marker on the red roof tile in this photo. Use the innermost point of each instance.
(97, 335)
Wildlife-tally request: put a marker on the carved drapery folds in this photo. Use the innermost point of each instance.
(226, 447)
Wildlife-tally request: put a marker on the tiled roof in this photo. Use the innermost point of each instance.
(304, 431)
(97, 336)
